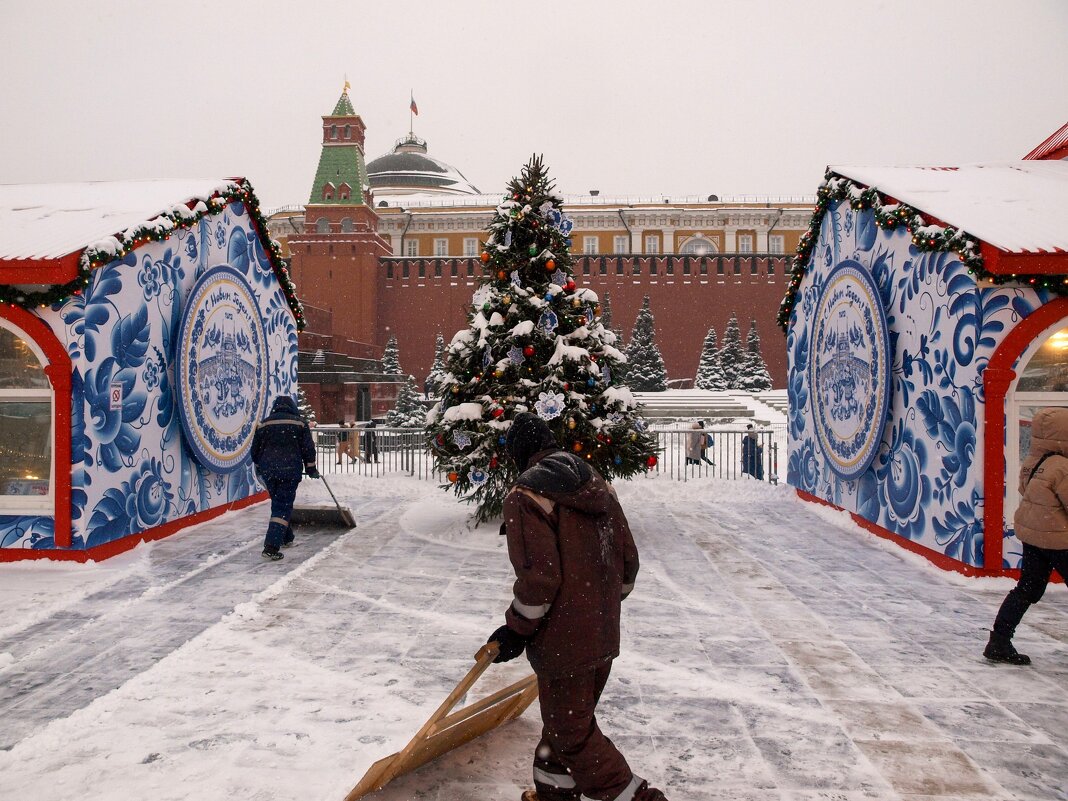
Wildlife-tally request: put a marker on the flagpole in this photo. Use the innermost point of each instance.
(411, 117)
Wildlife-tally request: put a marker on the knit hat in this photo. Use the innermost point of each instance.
(284, 403)
(528, 435)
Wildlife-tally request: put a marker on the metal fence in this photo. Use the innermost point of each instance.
(383, 452)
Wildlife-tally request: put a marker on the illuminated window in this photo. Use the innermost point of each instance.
(26, 435)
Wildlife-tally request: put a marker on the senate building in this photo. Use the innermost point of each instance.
(389, 247)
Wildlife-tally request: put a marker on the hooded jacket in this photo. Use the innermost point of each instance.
(1042, 517)
(282, 446)
(574, 559)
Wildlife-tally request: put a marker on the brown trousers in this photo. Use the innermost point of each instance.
(574, 757)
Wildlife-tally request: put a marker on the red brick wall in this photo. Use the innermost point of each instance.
(684, 306)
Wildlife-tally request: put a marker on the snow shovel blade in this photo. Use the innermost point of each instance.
(447, 730)
(337, 515)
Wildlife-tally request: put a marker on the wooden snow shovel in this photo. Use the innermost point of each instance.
(444, 731)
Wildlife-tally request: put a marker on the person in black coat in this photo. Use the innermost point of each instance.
(282, 450)
(752, 454)
(370, 442)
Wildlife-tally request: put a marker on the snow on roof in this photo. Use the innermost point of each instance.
(1017, 206)
(47, 221)
(675, 202)
(1054, 143)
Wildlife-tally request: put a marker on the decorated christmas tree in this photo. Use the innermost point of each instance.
(391, 358)
(645, 366)
(709, 373)
(408, 412)
(437, 368)
(732, 356)
(535, 343)
(754, 376)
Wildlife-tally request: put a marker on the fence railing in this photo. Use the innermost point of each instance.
(383, 451)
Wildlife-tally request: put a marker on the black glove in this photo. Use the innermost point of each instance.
(313, 472)
(510, 642)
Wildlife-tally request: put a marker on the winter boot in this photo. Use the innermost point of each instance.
(1000, 649)
(273, 554)
(647, 793)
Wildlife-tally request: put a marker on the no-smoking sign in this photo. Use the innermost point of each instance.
(116, 396)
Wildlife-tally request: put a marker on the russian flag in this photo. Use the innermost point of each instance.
(414, 108)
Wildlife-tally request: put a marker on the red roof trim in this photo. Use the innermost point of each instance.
(40, 271)
(1053, 149)
(1001, 262)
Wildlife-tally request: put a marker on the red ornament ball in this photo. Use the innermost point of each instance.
(570, 285)
(493, 462)
(528, 350)
(651, 461)
(576, 447)
(498, 412)
(550, 265)
(501, 275)
(485, 256)
(453, 477)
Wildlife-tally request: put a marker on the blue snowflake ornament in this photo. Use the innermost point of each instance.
(589, 315)
(606, 374)
(487, 357)
(560, 278)
(461, 439)
(548, 322)
(515, 355)
(508, 238)
(478, 477)
(515, 278)
(549, 405)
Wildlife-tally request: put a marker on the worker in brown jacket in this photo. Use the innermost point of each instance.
(575, 560)
(1041, 523)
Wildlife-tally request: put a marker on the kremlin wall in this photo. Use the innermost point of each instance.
(390, 248)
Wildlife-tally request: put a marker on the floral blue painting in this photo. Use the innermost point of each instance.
(925, 480)
(133, 467)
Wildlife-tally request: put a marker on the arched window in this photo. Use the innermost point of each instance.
(322, 225)
(344, 192)
(698, 246)
(346, 225)
(1042, 380)
(333, 132)
(328, 191)
(348, 131)
(26, 430)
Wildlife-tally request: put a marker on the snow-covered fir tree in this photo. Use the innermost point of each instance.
(437, 368)
(754, 376)
(709, 373)
(305, 408)
(391, 358)
(534, 342)
(645, 369)
(732, 356)
(407, 412)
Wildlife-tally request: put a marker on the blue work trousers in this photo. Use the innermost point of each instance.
(283, 492)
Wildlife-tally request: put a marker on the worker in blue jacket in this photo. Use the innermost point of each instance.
(282, 450)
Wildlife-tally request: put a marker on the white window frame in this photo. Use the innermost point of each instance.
(590, 245)
(652, 245)
(33, 504)
(745, 243)
(776, 243)
(411, 247)
(620, 244)
(1014, 402)
(441, 247)
(470, 247)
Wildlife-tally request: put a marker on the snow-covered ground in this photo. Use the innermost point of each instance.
(771, 650)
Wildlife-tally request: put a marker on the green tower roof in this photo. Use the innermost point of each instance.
(340, 164)
(344, 106)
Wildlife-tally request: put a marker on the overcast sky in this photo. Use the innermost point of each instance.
(626, 96)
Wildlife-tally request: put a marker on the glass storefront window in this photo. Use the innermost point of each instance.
(25, 447)
(19, 367)
(1047, 369)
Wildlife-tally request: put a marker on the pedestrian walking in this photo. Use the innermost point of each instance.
(1041, 524)
(344, 444)
(282, 450)
(370, 442)
(752, 454)
(697, 444)
(575, 561)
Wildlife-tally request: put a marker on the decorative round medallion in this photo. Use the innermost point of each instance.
(221, 369)
(849, 369)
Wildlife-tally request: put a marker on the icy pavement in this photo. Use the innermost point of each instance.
(771, 650)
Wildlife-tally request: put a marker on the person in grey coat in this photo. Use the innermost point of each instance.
(1041, 523)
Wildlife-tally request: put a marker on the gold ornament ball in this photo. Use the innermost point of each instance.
(571, 422)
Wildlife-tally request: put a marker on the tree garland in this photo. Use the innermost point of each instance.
(926, 238)
(159, 229)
